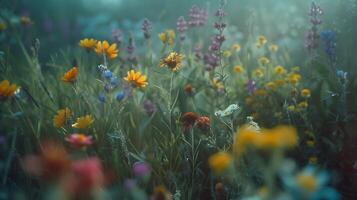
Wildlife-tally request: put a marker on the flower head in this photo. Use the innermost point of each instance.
(103, 47)
(141, 168)
(61, 117)
(83, 122)
(236, 47)
(261, 41)
(258, 73)
(239, 69)
(219, 162)
(136, 79)
(79, 140)
(7, 90)
(203, 123)
(273, 48)
(161, 193)
(279, 70)
(305, 93)
(188, 119)
(87, 43)
(167, 37)
(264, 60)
(71, 75)
(173, 61)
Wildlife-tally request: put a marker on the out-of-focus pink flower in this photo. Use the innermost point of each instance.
(86, 176)
(79, 140)
(141, 168)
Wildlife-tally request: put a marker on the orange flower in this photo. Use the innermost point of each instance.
(188, 119)
(87, 43)
(136, 79)
(104, 48)
(6, 89)
(71, 75)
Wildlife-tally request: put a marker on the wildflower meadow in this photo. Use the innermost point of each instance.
(214, 99)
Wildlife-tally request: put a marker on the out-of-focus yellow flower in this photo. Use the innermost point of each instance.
(271, 85)
(261, 41)
(83, 122)
(239, 69)
(168, 37)
(279, 70)
(3, 26)
(219, 162)
(236, 47)
(303, 105)
(6, 89)
(305, 93)
(136, 79)
(278, 137)
(227, 53)
(61, 117)
(173, 61)
(258, 73)
(25, 20)
(217, 84)
(88, 43)
(294, 78)
(264, 60)
(71, 75)
(273, 48)
(260, 92)
(310, 143)
(103, 47)
(307, 182)
(280, 82)
(161, 193)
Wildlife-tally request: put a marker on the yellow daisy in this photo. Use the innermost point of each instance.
(136, 79)
(61, 117)
(103, 47)
(173, 61)
(83, 122)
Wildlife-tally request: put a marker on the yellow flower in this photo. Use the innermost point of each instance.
(136, 79)
(83, 122)
(227, 53)
(167, 37)
(260, 92)
(271, 85)
(303, 105)
(243, 138)
(273, 48)
(307, 182)
(258, 73)
(310, 143)
(219, 162)
(279, 70)
(261, 41)
(236, 47)
(104, 48)
(294, 78)
(248, 100)
(239, 69)
(61, 117)
(71, 75)
(264, 60)
(279, 82)
(87, 43)
(3, 26)
(217, 84)
(305, 93)
(6, 89)
(173, 61)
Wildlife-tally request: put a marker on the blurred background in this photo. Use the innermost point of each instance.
(61, 24)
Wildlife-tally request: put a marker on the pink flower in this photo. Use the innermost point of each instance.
(79, 140)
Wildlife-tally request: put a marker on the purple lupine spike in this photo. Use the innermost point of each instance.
(197, 16)
(312, 36)
(146, 28)
(181, 27)
(250, 86)
(117, 36)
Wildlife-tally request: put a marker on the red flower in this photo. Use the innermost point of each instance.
(188, 119)
(203, 123)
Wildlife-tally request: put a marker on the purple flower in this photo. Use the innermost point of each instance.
(250, 86)
(146, 28)
(141, 169)
(312, 35)
(181, 27)
(117, 36)
(198, 16)
(149, 107)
